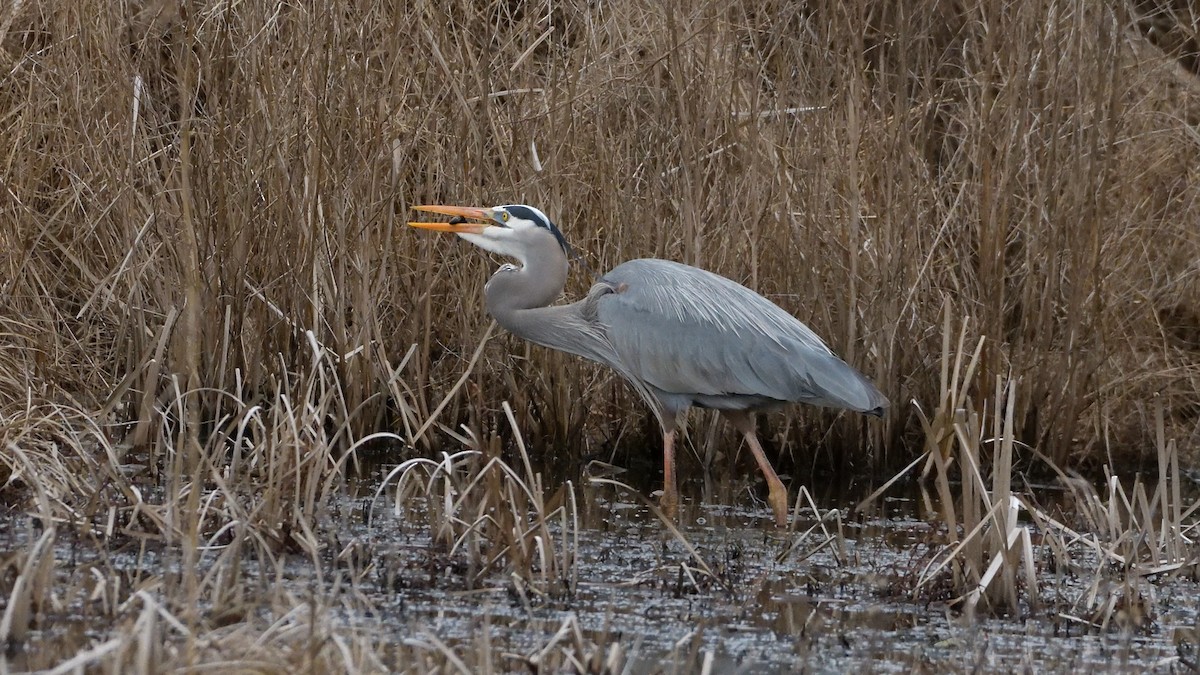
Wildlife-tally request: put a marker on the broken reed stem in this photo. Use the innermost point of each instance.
(457, 385)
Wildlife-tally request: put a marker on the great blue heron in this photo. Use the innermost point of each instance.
(680, 335)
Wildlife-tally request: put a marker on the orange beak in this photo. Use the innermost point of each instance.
(457, 225)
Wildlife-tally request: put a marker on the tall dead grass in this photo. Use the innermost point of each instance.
(188, 189)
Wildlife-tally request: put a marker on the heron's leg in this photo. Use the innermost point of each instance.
(777, 495)
(670, 498)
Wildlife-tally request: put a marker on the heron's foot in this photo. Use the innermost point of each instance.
(669, 504)
(777, 497)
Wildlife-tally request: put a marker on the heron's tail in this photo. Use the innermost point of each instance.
(840, 385)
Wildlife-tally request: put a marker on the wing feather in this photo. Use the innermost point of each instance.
(687, 331)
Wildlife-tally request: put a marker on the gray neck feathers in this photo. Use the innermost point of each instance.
(520, 300)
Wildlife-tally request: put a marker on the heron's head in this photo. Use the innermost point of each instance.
(510, 230)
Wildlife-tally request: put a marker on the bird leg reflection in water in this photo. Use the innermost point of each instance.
(679, 335)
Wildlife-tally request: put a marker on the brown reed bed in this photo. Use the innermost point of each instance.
(208, 308)
(187, 191)
(987, 559)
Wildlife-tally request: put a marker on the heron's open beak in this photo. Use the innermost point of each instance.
(457, 224)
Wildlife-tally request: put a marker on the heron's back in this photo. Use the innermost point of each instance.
(694, 335)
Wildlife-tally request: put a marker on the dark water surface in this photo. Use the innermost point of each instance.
(796, 601)
(744, 598)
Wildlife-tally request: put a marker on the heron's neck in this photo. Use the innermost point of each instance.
(520, 298)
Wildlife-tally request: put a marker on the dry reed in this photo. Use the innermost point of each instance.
(225, 178)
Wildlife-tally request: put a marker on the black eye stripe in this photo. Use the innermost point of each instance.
(526, 213)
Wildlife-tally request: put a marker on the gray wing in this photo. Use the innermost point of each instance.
(687, 331)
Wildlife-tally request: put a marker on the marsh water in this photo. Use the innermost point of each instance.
(802, 601)
(727, 592)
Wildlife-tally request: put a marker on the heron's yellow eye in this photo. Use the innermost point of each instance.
(504, 216)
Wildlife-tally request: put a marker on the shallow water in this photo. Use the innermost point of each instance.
(769, 602)
(783, 602)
